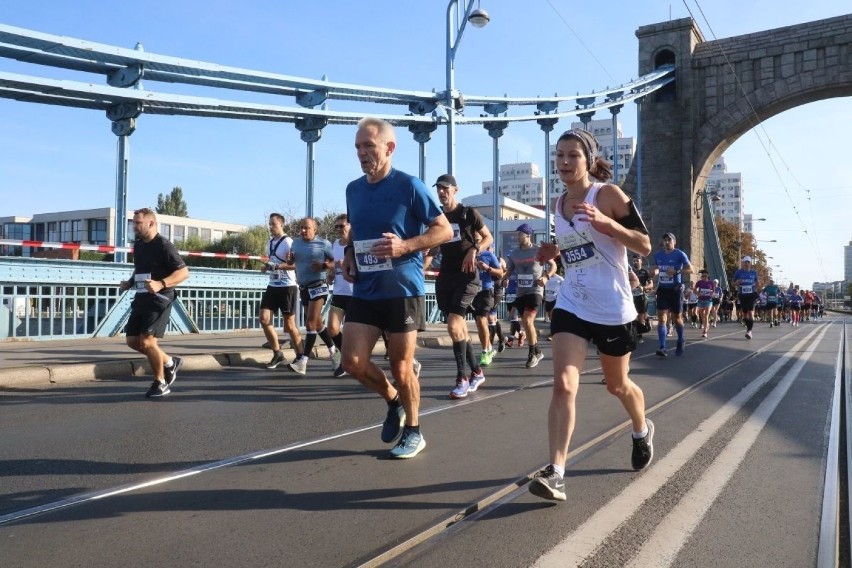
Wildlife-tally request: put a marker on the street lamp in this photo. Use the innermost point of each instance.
(457, 19)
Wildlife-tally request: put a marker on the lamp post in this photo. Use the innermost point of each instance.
(458, 15)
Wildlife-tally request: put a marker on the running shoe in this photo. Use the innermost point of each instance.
(300, 365)
(335, 359)
(510, 341)
(410, 444)
(339, 372)
(277, 359)
(534, 359)
(394, 421)
(485, 358)
(476, 379)
(643, 448)
(669, 333)
(748, 334)
(461, 390)
(704, 335)
(157, 389)
(501, 345)
(679, 348)
(171, 372)
(548, 484)
(662, 353)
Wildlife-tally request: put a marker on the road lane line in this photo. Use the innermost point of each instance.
(662, 547)
(583, 541)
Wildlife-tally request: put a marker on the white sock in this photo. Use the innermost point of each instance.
(642, 434)
(170, 362)
(558, 469)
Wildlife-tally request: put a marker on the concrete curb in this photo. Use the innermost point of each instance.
(45, 376)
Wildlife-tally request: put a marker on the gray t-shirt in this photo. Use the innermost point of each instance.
(306, 252)
(523, 264)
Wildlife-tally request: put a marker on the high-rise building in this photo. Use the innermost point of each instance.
(524, 183)
(847, 263)
(728, 186)
(521, 182)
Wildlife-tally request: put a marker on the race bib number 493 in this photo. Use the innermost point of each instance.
(368, 262)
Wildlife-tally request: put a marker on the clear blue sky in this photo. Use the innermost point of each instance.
(54, 158)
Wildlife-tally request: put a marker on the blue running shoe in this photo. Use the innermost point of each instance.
(409, 445)
(394, 422)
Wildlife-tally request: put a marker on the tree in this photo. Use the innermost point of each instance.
(172, 204)
(735, 245)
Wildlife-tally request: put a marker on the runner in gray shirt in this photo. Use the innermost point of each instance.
(532, 276)
(312, 257)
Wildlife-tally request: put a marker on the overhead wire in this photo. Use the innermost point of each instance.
(767, 145)
(576, 35)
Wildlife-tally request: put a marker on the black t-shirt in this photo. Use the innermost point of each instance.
(643, 276)
(159, 258)
(466, 222)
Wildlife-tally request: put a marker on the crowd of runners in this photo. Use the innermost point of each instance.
(591, 284)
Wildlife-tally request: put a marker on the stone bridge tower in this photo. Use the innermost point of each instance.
(723, 89)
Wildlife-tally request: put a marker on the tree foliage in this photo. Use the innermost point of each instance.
(735, 245)
(172, 204)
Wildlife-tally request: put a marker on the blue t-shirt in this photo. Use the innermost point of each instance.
(400, 204)
(307, 252)
(747, 281)
(663, 260)
(492, 261)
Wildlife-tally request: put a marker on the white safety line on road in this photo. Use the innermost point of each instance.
(661, 548)
(583, 541)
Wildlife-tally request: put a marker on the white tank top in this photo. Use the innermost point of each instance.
(341, 286)
(596, 287)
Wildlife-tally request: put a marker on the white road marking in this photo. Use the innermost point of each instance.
(583, 542)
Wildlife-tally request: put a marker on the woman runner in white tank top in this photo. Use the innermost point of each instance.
(595, 225)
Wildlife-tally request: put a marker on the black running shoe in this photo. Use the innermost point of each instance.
(547, 484)
(643, 448)
(157, 389)
(277, 359)
(662, 353)
(501, 346)
(171, 372)
(392, 428)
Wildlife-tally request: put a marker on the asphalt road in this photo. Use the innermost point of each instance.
(249, 467)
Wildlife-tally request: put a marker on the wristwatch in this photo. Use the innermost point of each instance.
(163, 282)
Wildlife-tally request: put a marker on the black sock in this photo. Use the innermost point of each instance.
(325, 337)
(394, 402)
(310, 339)
(459, 352)
(500, 335)
(472, 361)
(414, 428)
(338, 340)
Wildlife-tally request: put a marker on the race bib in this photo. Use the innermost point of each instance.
(456, 233)
(368, 262)
(638, 292)
(664, 276)
(771, 298)
(704, 293)
(745, 289)
(139, 282)
(317, 291)
(525, 280)
(577, 249)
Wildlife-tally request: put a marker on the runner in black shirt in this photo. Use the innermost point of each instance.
(158, 268)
